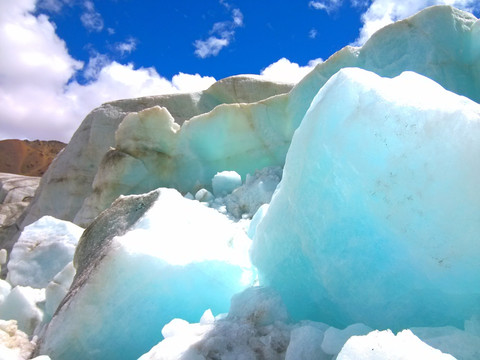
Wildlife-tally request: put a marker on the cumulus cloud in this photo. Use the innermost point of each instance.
(326, 5)
(288, 72)
(383, 12)
(117, 81)
(188, 82)
(312, 34)
(39, 94)
(221, 35)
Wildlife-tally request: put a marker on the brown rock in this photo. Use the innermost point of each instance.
(25, 157)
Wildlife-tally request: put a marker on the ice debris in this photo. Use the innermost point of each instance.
(224, 182)
(23, 304)
(384, 345)
(43, 249)
(257, 327)
(14, 344)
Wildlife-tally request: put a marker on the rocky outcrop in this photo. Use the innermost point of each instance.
(16, 192)
(24, 157)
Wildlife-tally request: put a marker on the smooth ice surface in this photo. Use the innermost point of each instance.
(43, 249)
(148, 259)
(5, 288)
(257, 219)
(306, 343)
(377, 217)
(224, 182)
(384, 345)
(57, 289)
(462, 344)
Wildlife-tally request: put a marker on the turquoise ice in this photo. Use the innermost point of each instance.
(377, 217)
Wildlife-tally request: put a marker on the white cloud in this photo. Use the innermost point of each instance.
(53, 5)
(237, 17)
(210, 47)
(91, 19)
(359, 3)
(288, 72)
(34, 67)
(312, 34)
(126, 47)
(383, 12)
(221, 35)
(187, 82)
(95, 64)
(39, 96)
(326, 5)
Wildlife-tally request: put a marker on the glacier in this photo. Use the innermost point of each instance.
(337, 218)
(260, 118)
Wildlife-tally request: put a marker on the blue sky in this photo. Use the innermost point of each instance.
(61, 58)
(169, 35)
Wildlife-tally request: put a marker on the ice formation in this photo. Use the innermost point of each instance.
(440, 43)
(57, 289)
(223, 183)
(384, 345)
(43, 249)
(358, 230)
(373, 224)
(245, 200)
(146, 260)
(69, 179)
(22, 304)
